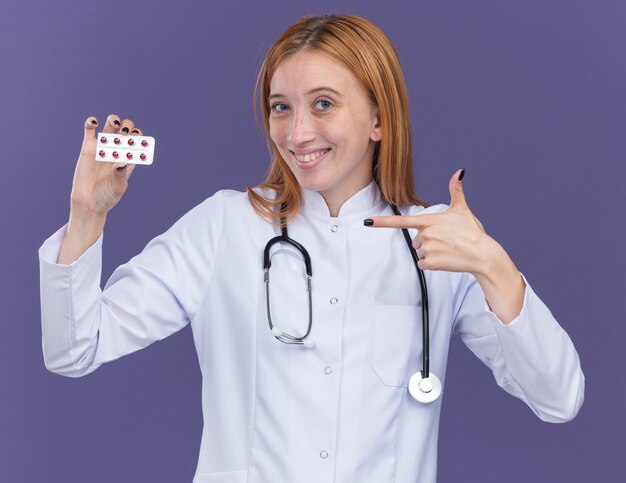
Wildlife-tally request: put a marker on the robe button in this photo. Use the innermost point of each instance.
(334, 228)
(323, 454)
(333, 301)
(328, 370)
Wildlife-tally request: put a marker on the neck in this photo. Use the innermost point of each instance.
(335, 200)
(333, 208)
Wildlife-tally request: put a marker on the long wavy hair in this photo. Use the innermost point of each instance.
(366, 51)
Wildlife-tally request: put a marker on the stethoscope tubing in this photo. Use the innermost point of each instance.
(422, 279)
(267, 263)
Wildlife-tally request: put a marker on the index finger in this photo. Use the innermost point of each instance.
(112, 123)
(415, 221)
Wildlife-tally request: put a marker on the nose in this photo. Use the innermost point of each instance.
(300, 130)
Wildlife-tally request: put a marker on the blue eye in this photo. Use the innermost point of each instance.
(326, 104)
(278, 107)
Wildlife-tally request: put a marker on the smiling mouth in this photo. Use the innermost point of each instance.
(307, 158)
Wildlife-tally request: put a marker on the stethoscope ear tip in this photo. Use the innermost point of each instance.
(308, 343)
(424, 390)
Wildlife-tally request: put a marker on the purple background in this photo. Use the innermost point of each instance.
(528, 96)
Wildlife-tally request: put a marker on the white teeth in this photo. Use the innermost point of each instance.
(305, 158)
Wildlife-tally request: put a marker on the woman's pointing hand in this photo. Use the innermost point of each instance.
(454, 241)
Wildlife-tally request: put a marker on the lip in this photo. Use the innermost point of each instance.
(312, 164)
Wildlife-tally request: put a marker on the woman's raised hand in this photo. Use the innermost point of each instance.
(98, 186)
(454, 241)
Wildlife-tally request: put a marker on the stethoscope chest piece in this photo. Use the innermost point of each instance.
(424, 390)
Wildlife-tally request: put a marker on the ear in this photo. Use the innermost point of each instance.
(377, 130)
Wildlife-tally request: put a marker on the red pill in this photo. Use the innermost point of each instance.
(144, 143)
(142, 156)
(131, 141)
(101, 153)
(103, 140)
(116, 140)
(129, 155)
(115, 155)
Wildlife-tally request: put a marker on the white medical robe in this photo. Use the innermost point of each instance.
(276, 413)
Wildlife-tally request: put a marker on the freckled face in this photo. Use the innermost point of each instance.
(323, 124)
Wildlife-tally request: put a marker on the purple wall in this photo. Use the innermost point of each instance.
(529, 97)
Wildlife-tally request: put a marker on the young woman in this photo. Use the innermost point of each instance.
(329, 384)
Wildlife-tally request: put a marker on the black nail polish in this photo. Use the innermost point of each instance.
(462, 174)
(116, 122)
(122, 168)
(135, 131)
(94, 122)
(368, 222)
(125, 129)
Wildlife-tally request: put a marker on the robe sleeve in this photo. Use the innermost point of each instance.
(155, 294)
(532, 357)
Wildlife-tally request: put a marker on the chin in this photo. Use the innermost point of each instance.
(313, 184)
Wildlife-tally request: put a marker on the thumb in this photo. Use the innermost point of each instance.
(123, 170)
(457, 195)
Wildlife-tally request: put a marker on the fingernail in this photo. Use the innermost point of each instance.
(116, 122)
(122, 168)
(135, 131)
(462, 174)
(124, 129)
(368, 222)
(94, 122)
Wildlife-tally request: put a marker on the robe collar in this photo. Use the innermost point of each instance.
(368, 201)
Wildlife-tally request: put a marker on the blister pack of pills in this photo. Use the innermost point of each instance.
(118, 148)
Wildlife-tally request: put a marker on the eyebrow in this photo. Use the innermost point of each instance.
(312, 91)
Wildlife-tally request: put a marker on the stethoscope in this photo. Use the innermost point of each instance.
(424, 386)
